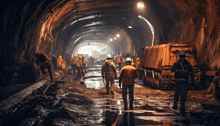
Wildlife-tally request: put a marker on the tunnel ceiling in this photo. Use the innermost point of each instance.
(53, 26)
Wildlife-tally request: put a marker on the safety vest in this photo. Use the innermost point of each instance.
(119, 59)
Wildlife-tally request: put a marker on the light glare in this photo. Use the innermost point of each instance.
(118, 35)
(140, 5)
(130, 27)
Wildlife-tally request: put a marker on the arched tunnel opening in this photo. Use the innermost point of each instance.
(96, 28)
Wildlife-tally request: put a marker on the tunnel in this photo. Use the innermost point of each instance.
(116, 27)
(96, 29)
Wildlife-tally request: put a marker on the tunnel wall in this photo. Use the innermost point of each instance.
(196, 21)
(199, 24)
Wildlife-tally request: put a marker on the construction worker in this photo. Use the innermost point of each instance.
(182, 69)
(45, 63)
(109, 72)
(73, 63)
(137, 65)
(79, 66)
(127, 76)
(119, 62)
(59, 62)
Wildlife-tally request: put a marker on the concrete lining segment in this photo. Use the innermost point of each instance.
(16, 98)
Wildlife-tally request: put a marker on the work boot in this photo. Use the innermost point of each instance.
(125, 107)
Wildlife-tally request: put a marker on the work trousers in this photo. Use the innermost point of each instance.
(112, 81)
(74, 68)
(131, 95)
(80, 71)
(180, 91)
(48, 67)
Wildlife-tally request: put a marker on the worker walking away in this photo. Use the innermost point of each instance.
(73, 64)
(59, 62)
(79, 66)
(109, 72)
(127, 76)
(44, 62)
(119, 62)
(182, 69)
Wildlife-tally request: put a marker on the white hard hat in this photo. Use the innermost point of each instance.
(182, 53)
(109, 56)
(128, 60)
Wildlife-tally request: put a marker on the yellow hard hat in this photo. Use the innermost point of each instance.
(137, 58)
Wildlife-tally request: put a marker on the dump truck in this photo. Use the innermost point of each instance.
(157, 61)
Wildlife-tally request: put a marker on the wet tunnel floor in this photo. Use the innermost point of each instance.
(76, 103)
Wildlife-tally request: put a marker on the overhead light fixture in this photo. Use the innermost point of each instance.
(118, 35)
(110, 39)
(140, 4)
(130, 27)
(115, 38)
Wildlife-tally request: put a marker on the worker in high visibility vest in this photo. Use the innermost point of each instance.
(79, 66)
(119, 62)
(127, 77)
(59, 62)
(73, 63)
(137, 65)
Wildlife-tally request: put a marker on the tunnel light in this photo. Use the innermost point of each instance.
(111, 40)
(140, 5)
(130, 27)
(117, 35)
(115, 38)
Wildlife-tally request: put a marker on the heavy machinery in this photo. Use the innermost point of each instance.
(157, 61)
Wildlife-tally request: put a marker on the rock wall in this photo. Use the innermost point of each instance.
(199, 24)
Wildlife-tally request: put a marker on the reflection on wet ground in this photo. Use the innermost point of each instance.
(93, 79)
(147, 111)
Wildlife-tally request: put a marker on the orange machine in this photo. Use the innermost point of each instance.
(157, 61)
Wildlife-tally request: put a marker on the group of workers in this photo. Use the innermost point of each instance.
(77, 64)
(127, 76)
(182, 68)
